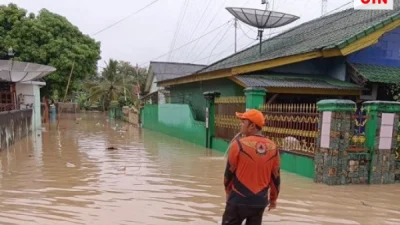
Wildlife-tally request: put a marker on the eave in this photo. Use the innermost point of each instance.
(353, 44)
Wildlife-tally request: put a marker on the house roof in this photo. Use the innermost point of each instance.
(295, 81)
(377, 73)
(335, 31)
(16, 71)
(170, 70)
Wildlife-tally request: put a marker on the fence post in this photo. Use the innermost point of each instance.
(382, 137)
(210, 115)
(331, 158)
(255, 97)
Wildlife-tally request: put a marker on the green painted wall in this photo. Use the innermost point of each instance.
(298, 164)
(219, 144)
(174, 120)
(192, 94)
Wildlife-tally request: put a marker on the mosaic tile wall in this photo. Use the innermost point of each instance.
(332, 158)
(384, 160)
(397, 172)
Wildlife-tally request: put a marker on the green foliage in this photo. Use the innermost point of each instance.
(116, 85)
(395, 91)
(49, 39)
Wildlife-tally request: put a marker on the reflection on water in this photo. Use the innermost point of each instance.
(67, 176)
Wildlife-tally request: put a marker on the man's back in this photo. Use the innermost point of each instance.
(253, 168)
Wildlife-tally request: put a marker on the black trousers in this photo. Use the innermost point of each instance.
(236, 214)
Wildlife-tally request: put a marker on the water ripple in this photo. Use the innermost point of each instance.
(71, 178)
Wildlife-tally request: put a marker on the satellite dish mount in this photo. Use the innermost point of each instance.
(262, 19)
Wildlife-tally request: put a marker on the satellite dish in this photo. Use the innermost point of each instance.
(262, 19)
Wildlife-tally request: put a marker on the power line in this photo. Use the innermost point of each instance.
(348, 3)
(180, 21)
(222, 38)
(201, 52)
(125, 18)
(195, 45)
(301, 39)
(251, 46)
(199, 21)
(188, 43)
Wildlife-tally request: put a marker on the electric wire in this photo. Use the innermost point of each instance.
(125, 18)
(188, 43)
(198, 23)
(275, 38)
(203, 49)
(179, 25)
(209, 24)
(222, 38)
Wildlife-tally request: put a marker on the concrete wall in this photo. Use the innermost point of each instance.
(385, 52)
(153, 86)
(14, 125)
(31, 95)
(130, 115)
(176, 120)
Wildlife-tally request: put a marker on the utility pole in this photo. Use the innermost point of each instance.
(236, 34)
(324, 7)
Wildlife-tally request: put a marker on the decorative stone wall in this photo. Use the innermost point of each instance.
(385, 147)
(332, 159)
(397, 172)
(14, 125)
(383, 132)
(357, 169)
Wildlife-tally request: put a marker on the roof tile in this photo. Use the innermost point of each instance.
(295, 81)
(330, 31)
(378, 74)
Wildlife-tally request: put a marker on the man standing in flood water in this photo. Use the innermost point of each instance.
(253, 167)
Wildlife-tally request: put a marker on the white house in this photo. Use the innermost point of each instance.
(159, 71)
(26, 91)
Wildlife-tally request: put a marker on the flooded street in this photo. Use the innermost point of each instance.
(68, 176)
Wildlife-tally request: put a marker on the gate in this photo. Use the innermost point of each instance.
(226, 123)
(293, 127)
(357, 138)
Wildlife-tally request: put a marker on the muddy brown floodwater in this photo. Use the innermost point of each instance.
(67, 176)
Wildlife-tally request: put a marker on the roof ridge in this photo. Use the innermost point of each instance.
(164, 62)
(278, 35)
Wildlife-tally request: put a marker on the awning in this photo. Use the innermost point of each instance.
(295, 81)
(376, 73)
(15, 71)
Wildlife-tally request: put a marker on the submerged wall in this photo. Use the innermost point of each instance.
(14, 125)
(175, 120)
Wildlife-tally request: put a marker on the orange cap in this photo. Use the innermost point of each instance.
(254, 116)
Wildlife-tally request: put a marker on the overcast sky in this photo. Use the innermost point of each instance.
(151, 33)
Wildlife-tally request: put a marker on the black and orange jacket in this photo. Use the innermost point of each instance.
(253, 167)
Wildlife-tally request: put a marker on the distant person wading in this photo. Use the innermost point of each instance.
(252, 169)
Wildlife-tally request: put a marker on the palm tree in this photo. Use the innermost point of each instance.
(109, 86)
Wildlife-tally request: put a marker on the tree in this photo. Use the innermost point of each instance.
(49, 39)
(117, 83)
(137, 74)
(109, 87)
(395, 91)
